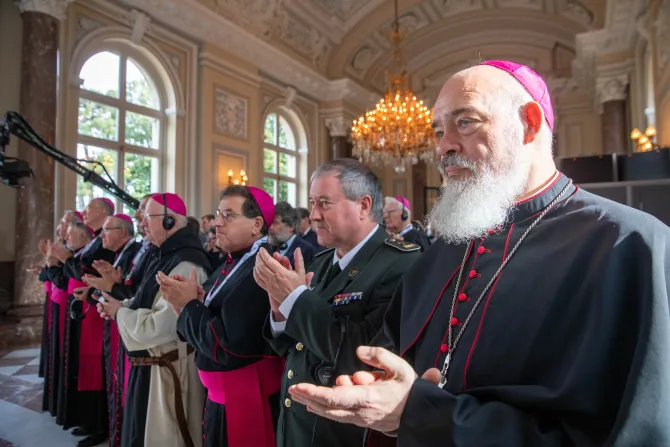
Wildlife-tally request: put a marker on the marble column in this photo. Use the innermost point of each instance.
(419, 182)
(612, 92)
(340, 144)
(35, 201)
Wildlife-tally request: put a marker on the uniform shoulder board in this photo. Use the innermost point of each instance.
(402, 245)
(321, 253)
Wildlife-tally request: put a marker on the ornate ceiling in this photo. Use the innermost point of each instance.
(309, 43)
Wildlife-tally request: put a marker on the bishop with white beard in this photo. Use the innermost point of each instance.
(539, 317)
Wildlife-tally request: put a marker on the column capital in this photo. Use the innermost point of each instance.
(338, 126)
(53, 8)
(611, 88)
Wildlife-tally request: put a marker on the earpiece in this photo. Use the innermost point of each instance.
(405, 215)
(168, 221)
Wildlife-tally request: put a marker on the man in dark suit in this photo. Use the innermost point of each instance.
(319, 317)
(282, 235)
(305, 229)
(398, 220)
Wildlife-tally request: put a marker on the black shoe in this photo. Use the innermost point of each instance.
(92, 440)
(79, 431)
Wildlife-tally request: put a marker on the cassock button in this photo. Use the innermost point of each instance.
(492, 231)
(287, 403)
(290, 374)
(462, 297)
(299, 346)
(444, 348)
(473, 273)
(481, 250)
(454, 321)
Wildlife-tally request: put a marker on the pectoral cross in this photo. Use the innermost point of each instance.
(443, 373)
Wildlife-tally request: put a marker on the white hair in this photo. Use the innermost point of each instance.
(393, 201)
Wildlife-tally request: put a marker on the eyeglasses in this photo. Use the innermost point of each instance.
(107, 230)
(151, 216)
(227, 216)
(387, 212)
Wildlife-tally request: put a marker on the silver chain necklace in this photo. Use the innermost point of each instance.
(451, 349)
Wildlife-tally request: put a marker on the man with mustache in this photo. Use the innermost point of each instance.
(540, 318)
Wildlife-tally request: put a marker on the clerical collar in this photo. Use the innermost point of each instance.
(540, 200)
(406, 230)
(237, 255)
(97, 232)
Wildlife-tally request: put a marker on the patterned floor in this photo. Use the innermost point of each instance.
(22, 423)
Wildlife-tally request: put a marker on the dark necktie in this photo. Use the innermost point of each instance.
(332, 273)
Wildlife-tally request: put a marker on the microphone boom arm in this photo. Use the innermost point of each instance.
(15, 124)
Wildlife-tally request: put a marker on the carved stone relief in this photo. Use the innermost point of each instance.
(452, 7)
(576, 11)
(54, 8)
(534, 4)
(230, 114)
(84, 26)
(663, 35)
(338, 127)
(612, 88)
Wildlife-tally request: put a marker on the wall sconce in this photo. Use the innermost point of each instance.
(644, 142)
(242, 180)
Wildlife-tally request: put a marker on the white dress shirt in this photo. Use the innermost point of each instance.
(285, 308)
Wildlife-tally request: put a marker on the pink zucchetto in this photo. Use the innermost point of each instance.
(108, 202)
(79, 215)
(174, 202)
(265, 203)
(532, 82)
(404, 202)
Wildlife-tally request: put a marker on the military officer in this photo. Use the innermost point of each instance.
(321, 315)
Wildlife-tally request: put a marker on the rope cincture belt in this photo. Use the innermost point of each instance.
(166, 361)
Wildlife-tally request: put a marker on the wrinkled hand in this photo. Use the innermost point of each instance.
(177, 289)
(367, 399)
(60, 251)
(108, 309)
(275, 278)
(101, 284)
(107, 271)
(80, 293)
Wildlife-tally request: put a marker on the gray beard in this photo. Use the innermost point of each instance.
(468, 208)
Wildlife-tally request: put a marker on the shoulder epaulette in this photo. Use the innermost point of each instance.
(402, 245)
(321, 253)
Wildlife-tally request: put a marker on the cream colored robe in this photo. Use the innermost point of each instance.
(155, 330)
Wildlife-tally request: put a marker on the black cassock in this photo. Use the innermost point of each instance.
(114, 364)
(182, 246)
(52, 341)
(227, 336)
(87, 409)
(568, 347)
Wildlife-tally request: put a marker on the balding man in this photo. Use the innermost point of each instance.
(164, 398)
(540, 318)
(398, 220)
(117, 235)
(84, 403)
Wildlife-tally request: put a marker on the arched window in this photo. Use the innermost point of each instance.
(280, 159)
(121, 125)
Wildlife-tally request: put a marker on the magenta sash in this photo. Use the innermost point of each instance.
(126, 374)
(245, 393)
(90, 345)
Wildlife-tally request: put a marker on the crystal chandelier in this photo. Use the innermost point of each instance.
(398, 130)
